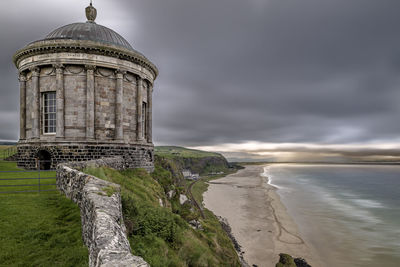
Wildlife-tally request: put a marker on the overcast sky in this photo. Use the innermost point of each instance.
(232, 71)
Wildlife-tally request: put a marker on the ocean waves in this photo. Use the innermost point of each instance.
(346, 206)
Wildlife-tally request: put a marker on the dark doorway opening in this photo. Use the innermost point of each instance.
(44, 157)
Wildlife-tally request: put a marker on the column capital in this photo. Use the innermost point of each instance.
(22, 77)
(59, 67)
(140, 80)
(90, 67)
(151, 87)
(35, 71)
(120, 73)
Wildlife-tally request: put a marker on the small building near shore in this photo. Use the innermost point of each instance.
(186, 173)
(85, 93)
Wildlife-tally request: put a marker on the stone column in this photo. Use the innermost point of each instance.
(150, 113)
(139, 109)
(36, 102)
(60, 95)
(90, 101)
(22, 103)
(119, 114)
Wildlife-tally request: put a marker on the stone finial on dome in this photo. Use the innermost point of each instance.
(91, 13)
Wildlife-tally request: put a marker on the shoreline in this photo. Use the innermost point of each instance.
(258, 219)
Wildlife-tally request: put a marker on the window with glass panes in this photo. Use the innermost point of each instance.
(144, 119)
(49, 112)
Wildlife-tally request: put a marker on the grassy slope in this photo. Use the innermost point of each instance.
(161, 235)
(182, 152)
(38, 229)
(4, 148)
(202, 162)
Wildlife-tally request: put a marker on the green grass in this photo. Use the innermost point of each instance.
(38, 229)
(285, 260)
(197, 161)
(6, 151)
(176, 151)
(9, 170)
(211, 222)
(160, 234)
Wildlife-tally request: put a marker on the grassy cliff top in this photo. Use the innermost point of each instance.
(38, 229)
(176, 151)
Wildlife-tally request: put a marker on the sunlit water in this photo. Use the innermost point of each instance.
(350, 214)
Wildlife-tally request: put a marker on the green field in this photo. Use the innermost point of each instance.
(38, 229)
(11, 175)
(6, 151)
(182, 152)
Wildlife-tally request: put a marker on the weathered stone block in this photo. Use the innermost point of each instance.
(103, 229)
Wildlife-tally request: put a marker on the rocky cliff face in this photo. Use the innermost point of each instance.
(206, 165)
(201, 165)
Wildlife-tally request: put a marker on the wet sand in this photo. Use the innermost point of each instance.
(259, 221)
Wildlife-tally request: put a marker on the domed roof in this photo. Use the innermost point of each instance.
(85, 37)
(89, 31)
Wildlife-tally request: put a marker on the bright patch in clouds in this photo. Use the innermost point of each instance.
(308, 152)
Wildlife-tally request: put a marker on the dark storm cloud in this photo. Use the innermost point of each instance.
(274, 71)
(232, 70)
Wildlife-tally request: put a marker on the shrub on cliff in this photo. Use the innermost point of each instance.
(163, 177)
(285, 260)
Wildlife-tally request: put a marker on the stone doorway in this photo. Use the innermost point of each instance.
(44, 158)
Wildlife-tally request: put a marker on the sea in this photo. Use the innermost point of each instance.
(348, 214)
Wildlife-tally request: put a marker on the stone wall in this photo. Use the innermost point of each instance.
(139, 156)
(103, 229)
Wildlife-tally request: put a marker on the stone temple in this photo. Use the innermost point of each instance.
(85, 93)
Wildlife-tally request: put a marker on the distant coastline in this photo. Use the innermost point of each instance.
(316, 163)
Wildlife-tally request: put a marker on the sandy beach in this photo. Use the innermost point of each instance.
(259, 221)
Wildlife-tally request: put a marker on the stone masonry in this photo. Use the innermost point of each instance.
(103, 229)
(103, 90)
(134, 156)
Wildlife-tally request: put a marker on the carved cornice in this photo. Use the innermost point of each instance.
(88, 47)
